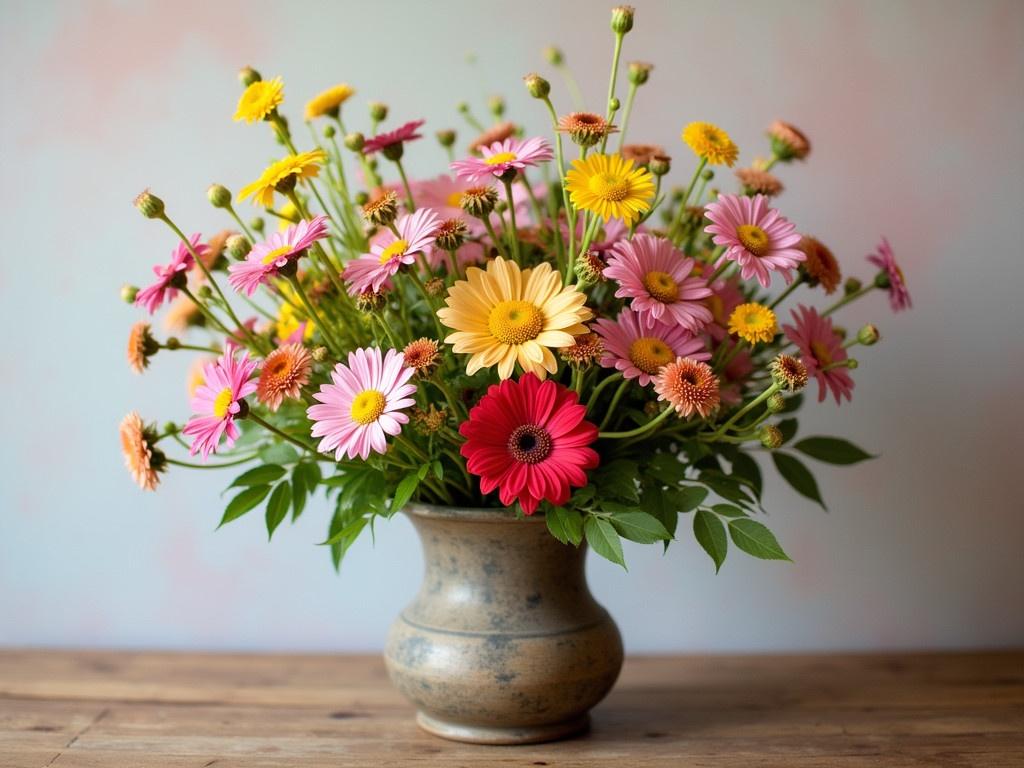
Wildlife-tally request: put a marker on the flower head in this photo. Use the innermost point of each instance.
(756, 237)
(788, 142)
(280, 250)
(820, 349)
(787, 371)
(585, 128)
(170, 276)
(892, 277)
(329, 102)
(281, 175)
(141, 456)
(362, 404)
(711, 143)
(820, 266)
(381, 141)
(500, 157)
(389, 251)
(382, 209)
(259, 100)
(506, 315)
(587, 349)
(422, 355)
(141, 346)
(758, 182)
(642, 154)
(610, 187)
(657, 277)
(529, 440)
(285, 372)
(753, 322)
(218, 401)
(689, 386)
(640, 345)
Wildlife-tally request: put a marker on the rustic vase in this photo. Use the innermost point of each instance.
(504, 644)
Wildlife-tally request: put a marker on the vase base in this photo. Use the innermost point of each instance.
(482, 734)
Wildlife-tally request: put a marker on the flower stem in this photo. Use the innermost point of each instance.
(641, 430)
(630, 95)
(619, 36)
(193, 347)
(494, 237)
(238, 219)
(745, 410)
(600, 387)
(282, 434)
(792, 287)
(190, 465)
(615, 401)
(847, 299)
(512, 232)
(314, 315)
(405, 184)
(560, 157)
(677, 224)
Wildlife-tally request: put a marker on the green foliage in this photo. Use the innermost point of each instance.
(640, 527)
(263, 475)
(566, 525)
(755, 539)
(745, 468)
(406, 488)
(603, 539)
(243, 502)
(277, 506)
(832, 450)
(798, 476)
(710, 534)
(617, 480)
(788, 429)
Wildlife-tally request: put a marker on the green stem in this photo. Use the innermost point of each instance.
(615, 401)
(789, 289)
(314, 315)
(207, 313)
(600, 387)
(560, 157)
(641, 430)
(494, 237)
(512, 232)
(405, 184)
(677, 224)
(619, 36)
(626, 112)
(219, 465)
(574, 88)
(238, 219)
(588, 236)
(192, 347)
(847, 299)
(282, 434)
(745, 410)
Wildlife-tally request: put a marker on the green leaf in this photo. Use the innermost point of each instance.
(422, 472)
(654, 501)
(277, 507)
(618, 480)
(640, 527)
(438, 468)
(788, 429)
(710, 534)
(604, 539)
(279, 453)
(566, 525)
(832, 450)
(754, 539)
(243, 502)
(406, 488)
(305, 477)
(727, 487)
(667, 468)
(793, 403)
(744, 466)
(347, 534)
(728, 510)
(264, 475)
(686, 499)
(798, 476)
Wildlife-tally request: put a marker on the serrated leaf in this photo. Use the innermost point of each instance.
(744, 466)
(726, 487)
(640, 527)
(755, 539)
(788, 429)
(728, 510)
(833, 450)
(604, 539)
(277, 507)
(798, 476)
(243, 502)
(566, 525)
(264, 475)
(686, 499)
(710, 534)
(403, 492)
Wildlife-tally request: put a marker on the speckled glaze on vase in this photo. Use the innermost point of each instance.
(504, 644)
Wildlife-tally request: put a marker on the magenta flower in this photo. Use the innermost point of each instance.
(820, 348)
(639, 345)
(657, 278)
(268, 258)
(171, 276)
(218, 401)
(362, 404)
(389, 253)
(400, 135)
(756, 237)
(899, 296)
(501, 156)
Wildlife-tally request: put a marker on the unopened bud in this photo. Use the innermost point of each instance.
(172, 342)
(383, 210)
(462, 107)
(378, 111)
(497, 106)
(707, 174)
(479, 201)
(446, 138)
(771, 436)
(257, 223)
(614, 104)
(247, 76)
(319, 354)
(370, 301)
(361, 198)
(589, 268)
(394, 151)
(355, 141)
(205, 292)
(775, 403)
(151, 206)
(852, 285)
(882, 280)
(219, 196)
(451, 234)
(128, 293)
(622, 19)
(639, 72)
(660, 165)
(852, 364)
(868, 335)
(537, 86)
(554, 56)
(329, 131)
(238, 247)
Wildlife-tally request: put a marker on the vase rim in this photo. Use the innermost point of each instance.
(475, 514)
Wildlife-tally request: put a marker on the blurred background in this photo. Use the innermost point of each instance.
(916, 114)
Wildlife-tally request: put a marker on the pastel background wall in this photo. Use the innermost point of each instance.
(916, 113)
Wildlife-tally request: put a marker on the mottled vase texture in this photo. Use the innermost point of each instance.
(504, 644)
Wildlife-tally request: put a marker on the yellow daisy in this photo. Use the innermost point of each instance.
(259, 100)
(610, 186)
(753, 323)
(711, 143)
(304, 165)
(329, 102)
(506, 315)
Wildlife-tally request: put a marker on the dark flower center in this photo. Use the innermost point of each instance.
(529, 444)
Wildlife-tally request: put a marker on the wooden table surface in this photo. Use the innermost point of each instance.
(93, 709)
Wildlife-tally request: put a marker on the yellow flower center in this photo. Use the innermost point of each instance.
(397, 248)
(500, 157)
(515, 322)
(222, 403)
(661, 286)
(649, 354)
(821, 353)
(753, 238)
(454, 200)
(277, 253)
(608, 186)
(367, 406)
(713, 136)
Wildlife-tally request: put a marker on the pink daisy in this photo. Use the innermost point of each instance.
(501, 156)
(390, 252)
(899, 296)
(400, 135)
(657, 277)
(268, 258)
(362, 404)
(756, 237)
(639, 345)
(820, 347)
(171, 276)
(725, 297)
(218, 401)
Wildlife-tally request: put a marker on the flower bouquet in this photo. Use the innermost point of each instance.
(548, 327)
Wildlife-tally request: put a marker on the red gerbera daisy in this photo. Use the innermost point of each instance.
(529, 439)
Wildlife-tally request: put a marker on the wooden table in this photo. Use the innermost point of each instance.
(92, 709)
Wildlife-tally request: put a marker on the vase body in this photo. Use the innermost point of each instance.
(504, 644)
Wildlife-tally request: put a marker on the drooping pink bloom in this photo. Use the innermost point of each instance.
(389, 253)
(268, 258)
(217, 401)
(657, 277)
(170, 276)
(400, 135)
(756, 237)
(362, 404)
(639, 345)
(512, 153)
(820, 348)
(899, 296)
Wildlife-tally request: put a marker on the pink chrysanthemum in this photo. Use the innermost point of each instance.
(756, 237)
(362, 404)
(389, 253)
(638, 345)
(657, 278)
(899, 296)
(529, 439)
(218, 401)
(170, 276)
(400, 135)
(268, 258)
(820, 348)
(501, 156)
(689, 386)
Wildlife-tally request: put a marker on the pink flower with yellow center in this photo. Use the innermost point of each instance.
(755, 236)
(218, 401)
(639, 345)
(502, 156)
(170, 276)
(821, 349)
(276, 253)
(390, 251)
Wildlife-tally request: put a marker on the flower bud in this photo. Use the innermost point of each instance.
(451, 234)
(238, 247)
(852, 285)
(614, 104)
(355, 141)
(170, 428)
(537, 86)
(151, 206)
(622, 19)
(497, 106)
(839, 331)
(205, 292)
(128, 293)
(219, 196)
(589, 268)
(329, 131)
(172, 342)
(554, 56)
(660, 165)
(319, 354)
(394, 152)
(247, 76)
(882, 280)
(788, 372)
(462, 107)
(257, 224)
(852, 364)
(771, 436)
(382, 210)
(775, 403)
(371, 301)
(361, 198)
(707, 174)
(868, 335)
(434, 286)
(479, 201)
(639, 72)
(446, 138)
(378, 111)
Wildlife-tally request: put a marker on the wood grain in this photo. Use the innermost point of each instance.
(120, 710)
